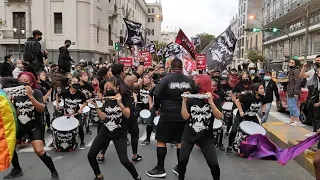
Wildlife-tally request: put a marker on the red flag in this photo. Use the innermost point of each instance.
(126, 61)
(183, 40)
(189, 64)
(201, 61)
(147, 58)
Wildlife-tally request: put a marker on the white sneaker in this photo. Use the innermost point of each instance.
(288, 122)
(301, 124)
(294, 124)
(309, 135)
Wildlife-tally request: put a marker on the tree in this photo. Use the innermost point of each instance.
(2, 23)
(205, 40)
(255, 56)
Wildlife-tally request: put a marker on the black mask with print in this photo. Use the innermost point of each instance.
(76, 86)
(291, 67)
(110, 93)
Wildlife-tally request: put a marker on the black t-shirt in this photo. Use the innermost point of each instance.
(226, 93)
(101, 85)
(143, 97)
(87, 90)
(200, 124)
(250, 105)
(239, 89)
(45, 85)
(27, 114)
(169, 92)
(115, 121)
(72, 101)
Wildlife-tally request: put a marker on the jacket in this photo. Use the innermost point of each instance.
(269, 89)
(294, 84)
(6, 69)
(37, 63)
(64, 57)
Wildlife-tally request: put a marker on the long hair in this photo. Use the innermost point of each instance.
(32, 79)
(151, 85)
(205, 84)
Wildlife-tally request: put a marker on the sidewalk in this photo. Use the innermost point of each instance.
(285, 136)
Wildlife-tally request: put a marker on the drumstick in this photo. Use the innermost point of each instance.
(197, 96)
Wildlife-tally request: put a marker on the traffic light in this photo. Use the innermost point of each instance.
(253, 29)
(275, 30)
(116, 46)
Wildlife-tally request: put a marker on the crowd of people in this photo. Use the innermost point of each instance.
(184, 120)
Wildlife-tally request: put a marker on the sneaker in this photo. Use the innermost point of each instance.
(300, 124)
(145, 142)
(82, 146)
(175, 170)
(229, 150)
(49, 131)
(156, 172)
(137, 159)
(288, 122)
(99, 178)
(51, 145)
(13, 174)
(101, 160)
(309, 135)
(54, 176)
(294, 124)
(221, 147)
(89, 132)
(173, 144)
(226, 135)
(128, 142)
(139, 178)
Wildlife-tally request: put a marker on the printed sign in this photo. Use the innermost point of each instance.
(201, 61)
(126, 61)
(147, 58)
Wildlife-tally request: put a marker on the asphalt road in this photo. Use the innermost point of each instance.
(75, 166)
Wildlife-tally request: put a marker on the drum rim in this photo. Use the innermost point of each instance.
(73, 119)
(145, 110)
(265, 132)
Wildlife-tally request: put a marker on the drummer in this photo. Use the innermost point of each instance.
(248, 105)
(200, 115)
(72, 97)
(215, 90)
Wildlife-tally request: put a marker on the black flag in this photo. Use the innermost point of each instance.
(220, 54)
(134, 33)
(152, 48)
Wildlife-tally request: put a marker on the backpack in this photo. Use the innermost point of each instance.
(28, 51)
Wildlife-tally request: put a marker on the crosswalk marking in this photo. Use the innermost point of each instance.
(279, 116)
(47, 139)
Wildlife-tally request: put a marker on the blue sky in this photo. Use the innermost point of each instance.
(197, 16)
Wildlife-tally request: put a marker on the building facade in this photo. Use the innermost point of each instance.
(82, 22)
(168, 37)
(154, 21)
(234, 28)
(292, 17)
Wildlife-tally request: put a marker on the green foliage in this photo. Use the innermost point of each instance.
(205, 40)
(255, 56)
(2, 23)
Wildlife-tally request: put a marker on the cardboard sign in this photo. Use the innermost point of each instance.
(201, 61)
(147, 58)
(126, 61)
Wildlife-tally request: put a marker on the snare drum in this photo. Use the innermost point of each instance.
(217, 127)
(61, 104)
(145, 115)
(65, 133)
(85, 110)
(99, 103)
(246, 129)
(227, 112)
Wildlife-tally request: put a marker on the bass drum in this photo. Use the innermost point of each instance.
(217, 127)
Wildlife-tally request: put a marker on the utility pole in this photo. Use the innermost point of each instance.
(306, 41)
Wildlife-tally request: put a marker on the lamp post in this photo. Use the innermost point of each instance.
(19, 33)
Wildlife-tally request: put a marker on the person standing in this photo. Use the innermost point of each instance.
(293, 92)
(64, 61)
(171, 124)
(6, 67)
(18, 69)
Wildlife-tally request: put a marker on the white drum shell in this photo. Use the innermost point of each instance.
(251, 128)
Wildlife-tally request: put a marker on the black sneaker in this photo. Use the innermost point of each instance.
(99, 178)
(137, 159)
(89, 132)
(101, 160)
(155, 172)
(138, 178)
(145, 142)
(13, 174)
(229, 150)
(54, 176)
(49, 131)
(221, 147)
(82, 146)
(175, 170)
(51, 145)
(173, 144)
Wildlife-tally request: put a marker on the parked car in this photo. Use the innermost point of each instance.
(282, 106)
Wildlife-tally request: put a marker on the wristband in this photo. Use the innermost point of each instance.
(141, 63)
(137, 75)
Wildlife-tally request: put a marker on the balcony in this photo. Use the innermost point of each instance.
(9, 37)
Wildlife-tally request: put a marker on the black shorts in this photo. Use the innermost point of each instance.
(170, 131)
(35, 133)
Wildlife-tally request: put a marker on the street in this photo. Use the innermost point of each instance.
(75, 166)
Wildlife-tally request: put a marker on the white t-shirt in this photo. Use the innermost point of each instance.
(310, 79)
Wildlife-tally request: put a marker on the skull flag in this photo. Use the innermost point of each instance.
(196, 41)
(134, 33)
(220, 54)
(152, 48)
(183, 40)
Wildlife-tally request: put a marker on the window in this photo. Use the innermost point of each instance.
(152, 19)
(148, 20)
(58, 23)
(152, 31)
(148, 10)
(244, 7)
(250, 43)
(152, 10)
(19, 22)
(98, 34)
(257, 40)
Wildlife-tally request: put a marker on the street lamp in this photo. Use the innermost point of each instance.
(19, 34)
(157, 16)
(252, 17)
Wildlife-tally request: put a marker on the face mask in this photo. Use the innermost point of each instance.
(245, 81)
(68, 45)
(252, 71)
(39, 38)
(110, 93)
(76, 86)
(291, 67)
(267, 78)
(196, 88)
(317, 64)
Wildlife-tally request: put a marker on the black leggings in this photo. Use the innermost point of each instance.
(102, 140)
(103, 151)
(209, 153)
(47, 114)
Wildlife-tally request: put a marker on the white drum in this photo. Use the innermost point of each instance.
(85, 110)
(61, 104)
(65, 133)
(217, 127)
(156, 120)
(145, 114)
(235, 112)
(227, 106)
(99, 103)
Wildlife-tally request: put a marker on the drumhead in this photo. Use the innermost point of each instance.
(99, 103)
(145, 114)
(65, 123)
(156, 120)
(61, 104)
(227, 106)
(86, 109)
(252, 128)
(217, 124)
(235, 112)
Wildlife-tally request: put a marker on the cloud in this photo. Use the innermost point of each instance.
(197, 16)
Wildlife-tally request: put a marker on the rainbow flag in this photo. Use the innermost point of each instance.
(8, 130)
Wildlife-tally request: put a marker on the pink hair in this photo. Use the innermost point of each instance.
(32, 79)
(205, 83)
